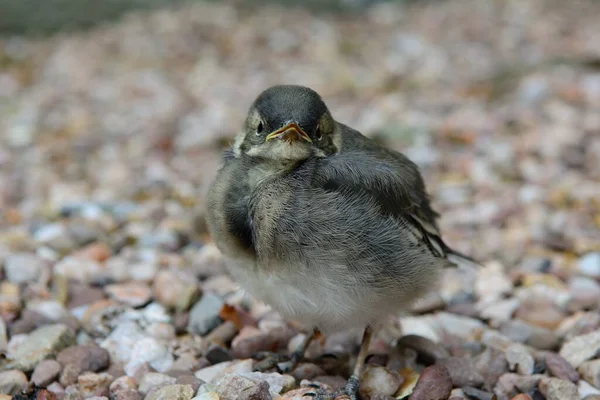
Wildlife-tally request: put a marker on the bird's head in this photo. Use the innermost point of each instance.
(288, 123)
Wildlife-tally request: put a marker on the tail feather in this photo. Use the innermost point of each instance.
(461, 259)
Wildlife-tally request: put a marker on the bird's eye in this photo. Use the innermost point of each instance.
(318, 133)
(260, 128)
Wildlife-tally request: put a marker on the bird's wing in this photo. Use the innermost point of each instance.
(397, 186)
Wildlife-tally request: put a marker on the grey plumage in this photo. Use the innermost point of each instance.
(335, 233)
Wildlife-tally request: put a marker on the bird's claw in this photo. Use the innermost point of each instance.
(350, 390)
(283, 363)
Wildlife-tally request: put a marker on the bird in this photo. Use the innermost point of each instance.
(330, 228)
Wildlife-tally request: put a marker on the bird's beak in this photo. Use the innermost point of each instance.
(290, 132)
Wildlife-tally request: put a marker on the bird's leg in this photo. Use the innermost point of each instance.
(289, 363)
(351, 387)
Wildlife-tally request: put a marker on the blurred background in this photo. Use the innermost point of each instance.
(113, 115)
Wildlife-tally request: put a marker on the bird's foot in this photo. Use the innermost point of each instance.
(350, 390)
(282, 362)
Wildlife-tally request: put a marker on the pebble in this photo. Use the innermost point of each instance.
(92, 384)
(153, 380)
(461, 326)
(522, 396)
(589, 264)
(3, 335)
(127, 394)
(12, 382)
(560, 368)
(491, 364)
(510, 384)
(134, 294)
(90, 358)
(122, 383)
(259, 392)
(230, 386)
(590, 372)
(428, 351)
(46, 372)
(375, 379)
(152, 351)
(23, 267)
(217, 354)
(558, 389)
(204, 315)
(191, 380)
(214, 372)
(42, 343)
(476, 394)
(463, 371)
(500, 311)
(56, 236)
(176, 289)
(251, 340)
(492, 282)
(79, 269)
(584, 292)
(171, 392)
(519, 358)
(581, 348)
(585, 389)
(433, 384)
(278, 383)
(307, 371)
(578, 324)
(540, 314)
(539, 338)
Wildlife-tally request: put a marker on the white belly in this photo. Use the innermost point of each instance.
(316, 300)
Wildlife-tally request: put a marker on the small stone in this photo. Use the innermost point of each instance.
(298, 394)
(476, 394)
(511, 384)
(428, 351)
(463, 371)
(230, 386)
(585, 293)
(577, 324)
(581, 348)
(204, 316)
(217, 354)
(215, 372)
(540, 314)
(278, 383)
(560, 368)
(12, 382)
(307, 371)
(590, 372)
(127, 394)
(589, 264)
(80, 269)
(3, 336)
(46, 372)
(585, 389)
(521, 331)
(433, 384)
(154, 380)
(251, 340)
(42, 343)
(190, 380)
(176, 289)
(210, 396)
(82, 294)
(122, 383)
(375, 379)
(134, 294)
(90, 358)
(461, 326)
(152, 351)
(56, 236)
(522, 396)
(259, 392)
(501, 310)
(558, 389)
(92, 384)
(23, 267)
(491, 364)
(518, 358)
(492, 282)
(171, 392)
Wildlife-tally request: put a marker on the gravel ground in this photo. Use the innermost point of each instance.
(111, 287)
